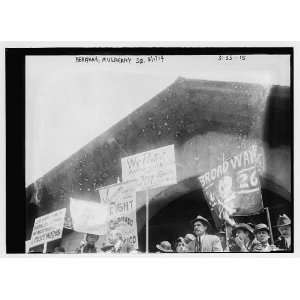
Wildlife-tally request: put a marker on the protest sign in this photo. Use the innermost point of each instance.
(233, 187)
(88, 216)
(151, 169)
(121, 199)
(48, 228)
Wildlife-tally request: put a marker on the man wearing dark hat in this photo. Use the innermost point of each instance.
(242, 235)
(284, 227)
(203, 242)
(262, 235)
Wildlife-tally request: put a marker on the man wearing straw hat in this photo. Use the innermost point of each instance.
(203, 242)
(284, 227)
(164, 247)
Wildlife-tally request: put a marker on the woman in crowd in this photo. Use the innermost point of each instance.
(180, 245)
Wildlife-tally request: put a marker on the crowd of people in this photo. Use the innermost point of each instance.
(115, 243)
(244, 237)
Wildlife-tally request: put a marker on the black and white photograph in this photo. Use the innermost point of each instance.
(149, 151)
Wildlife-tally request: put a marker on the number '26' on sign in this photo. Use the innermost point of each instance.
(247, 179)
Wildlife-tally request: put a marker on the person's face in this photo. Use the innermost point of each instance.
(199, 228)
(112, 225)
(222, 239)
(242, 234)
(180, 247)
(262, 236)
(114, 237)
(91, 239)
(285, 231)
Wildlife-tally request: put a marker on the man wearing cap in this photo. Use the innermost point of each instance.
(203, 242)
(284, 227)
(242, 235)
(262, 234)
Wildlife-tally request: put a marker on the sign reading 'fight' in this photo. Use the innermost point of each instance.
(121, 201)
(151, 169)
(48, 228)
(233, 187)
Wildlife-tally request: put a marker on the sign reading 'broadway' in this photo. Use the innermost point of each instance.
(233, 187)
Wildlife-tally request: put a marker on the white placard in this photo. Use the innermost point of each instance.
(48, 228)
(88, 216)
(151, 169)
(121, 199)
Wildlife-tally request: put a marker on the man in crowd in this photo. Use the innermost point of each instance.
(242, 235)
(116, 243)
(204, 242)
(262, 235)
(222, 236)
(284, 227)
(88, 246)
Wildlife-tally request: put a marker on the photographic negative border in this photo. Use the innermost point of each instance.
(15, 69)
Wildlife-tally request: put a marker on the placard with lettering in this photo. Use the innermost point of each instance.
(48, 228)
(151, 169)
(233, 187)
(121, 199)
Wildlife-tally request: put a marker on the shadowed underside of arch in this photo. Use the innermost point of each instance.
(171, 211)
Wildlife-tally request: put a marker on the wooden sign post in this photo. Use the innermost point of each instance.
(270, 225)
(45, 248)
